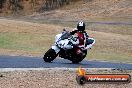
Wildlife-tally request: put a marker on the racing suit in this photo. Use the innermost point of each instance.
(84, 41)
(82, 36)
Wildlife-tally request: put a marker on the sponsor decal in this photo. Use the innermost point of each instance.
(83, 77)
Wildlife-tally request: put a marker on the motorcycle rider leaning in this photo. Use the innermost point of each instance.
(84, 42)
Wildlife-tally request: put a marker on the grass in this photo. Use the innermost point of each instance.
(94, 24)
(118, 29)
(38, 38)
(109, 56)
(111, 19)
(24, 41)
(12, 40)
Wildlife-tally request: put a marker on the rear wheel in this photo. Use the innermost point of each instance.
(79, 58)
(76, 60)
(50, 55)
(84, 53)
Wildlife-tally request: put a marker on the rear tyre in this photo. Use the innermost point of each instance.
(85, 53)
(50, 55)
(79, 58)
(76, 60)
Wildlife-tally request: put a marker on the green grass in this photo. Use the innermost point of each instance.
(24, 41)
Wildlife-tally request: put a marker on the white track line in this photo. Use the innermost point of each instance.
(54, 69)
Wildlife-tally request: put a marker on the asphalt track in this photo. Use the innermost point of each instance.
(37, 62)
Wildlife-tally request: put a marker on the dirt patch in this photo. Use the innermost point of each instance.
(75, 10)
(87, 9)
(14, 52)
(27, 27)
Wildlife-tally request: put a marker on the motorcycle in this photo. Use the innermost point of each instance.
(66, 46)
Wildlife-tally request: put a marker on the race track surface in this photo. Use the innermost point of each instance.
(37, 62)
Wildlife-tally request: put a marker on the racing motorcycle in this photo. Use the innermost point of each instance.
(66, 46)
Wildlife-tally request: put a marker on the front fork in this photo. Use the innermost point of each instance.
(56, 49)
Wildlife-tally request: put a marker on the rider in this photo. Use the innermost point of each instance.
(82, 36)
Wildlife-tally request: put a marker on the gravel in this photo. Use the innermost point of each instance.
(54, 78)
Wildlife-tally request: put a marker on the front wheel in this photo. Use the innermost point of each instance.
(50, 55)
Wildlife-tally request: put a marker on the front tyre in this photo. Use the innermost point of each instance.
(50, 55)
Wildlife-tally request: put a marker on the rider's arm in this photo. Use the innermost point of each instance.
(86, 34)
(73, 32)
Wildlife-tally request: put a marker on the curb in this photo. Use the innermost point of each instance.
(54, 69)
